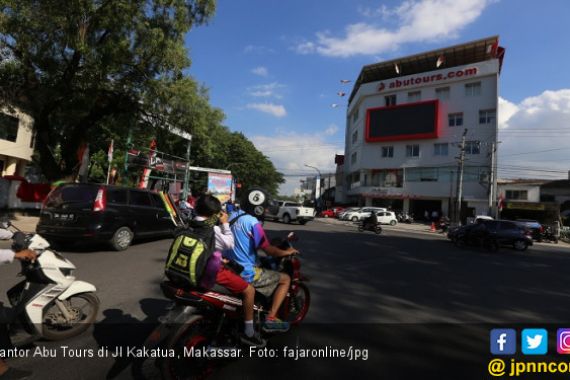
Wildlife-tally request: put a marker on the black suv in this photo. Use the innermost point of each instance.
(494, 233)
(80, 212)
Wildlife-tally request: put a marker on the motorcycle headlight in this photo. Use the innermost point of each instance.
(67, 272)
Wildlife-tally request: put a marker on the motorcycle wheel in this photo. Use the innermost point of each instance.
(378, 230)
(360, 228)
(297, 305)
(55, 328)
(194, 334)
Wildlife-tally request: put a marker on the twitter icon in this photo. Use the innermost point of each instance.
(534, 341)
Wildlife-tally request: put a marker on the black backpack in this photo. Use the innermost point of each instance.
(189, 254)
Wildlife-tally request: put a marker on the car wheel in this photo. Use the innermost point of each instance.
(302, 222)
(355, 219)
(393, 222)
(520, 245)
(286, 219)
(122, 239)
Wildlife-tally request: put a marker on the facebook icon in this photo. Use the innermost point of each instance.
(503, 342)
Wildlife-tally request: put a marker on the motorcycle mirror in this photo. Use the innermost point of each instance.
(292, 236)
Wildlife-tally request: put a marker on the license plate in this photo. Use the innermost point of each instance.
(63, 217)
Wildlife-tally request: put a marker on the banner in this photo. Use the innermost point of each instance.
(220, 186)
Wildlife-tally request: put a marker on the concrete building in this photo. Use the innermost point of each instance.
(405, 122)
(16, 142)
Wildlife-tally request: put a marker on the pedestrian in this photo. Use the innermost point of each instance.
(434, 216)
(426, 215)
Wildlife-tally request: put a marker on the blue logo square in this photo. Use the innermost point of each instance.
(534, 341)
(503, 342)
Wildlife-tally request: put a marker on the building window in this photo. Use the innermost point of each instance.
(455, 119)
(390, 100)
(412, 150)
(472, 147)
(520, 195)
(441, 149)
(442, 93)
(473, 89)
(8, 127)
(487, 116)
(414, 96)
(353, 158)
(387, 151)
(354, 137)
(355, 115)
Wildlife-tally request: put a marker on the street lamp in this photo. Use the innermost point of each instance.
(317, 185)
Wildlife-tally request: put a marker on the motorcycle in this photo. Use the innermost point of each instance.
(49, 303)
(548, 235)
(364, 226)
(209, 321)
(443, 225)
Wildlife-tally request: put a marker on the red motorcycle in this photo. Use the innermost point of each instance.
(203, 326)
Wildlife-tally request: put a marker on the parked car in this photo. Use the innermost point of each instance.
(327, 213)
(361, 214)
(494, 233)
(534, 226)
(387, 217)
(292, 212)
(93, 212)
(342, 214)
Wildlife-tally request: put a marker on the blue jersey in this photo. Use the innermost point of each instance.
(249, 236)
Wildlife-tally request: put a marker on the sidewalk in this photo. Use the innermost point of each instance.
(24, 223)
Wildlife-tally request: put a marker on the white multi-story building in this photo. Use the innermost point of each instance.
(16, 142)
(405, 122)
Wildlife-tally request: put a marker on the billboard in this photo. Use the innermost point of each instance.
(403, 122)
(220, 186)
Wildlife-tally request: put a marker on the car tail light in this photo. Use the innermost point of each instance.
(100, 200)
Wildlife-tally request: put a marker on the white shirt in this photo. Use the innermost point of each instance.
(223, 235)
(6, 255)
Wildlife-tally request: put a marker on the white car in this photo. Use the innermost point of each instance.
(362, 214)
(387, 217)
(346, 212)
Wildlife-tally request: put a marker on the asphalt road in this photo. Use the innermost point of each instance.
(377, 289)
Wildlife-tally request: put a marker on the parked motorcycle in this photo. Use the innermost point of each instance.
(364, 226)
(49, 303)
(209, 321)
(547, 234)
(443, 225)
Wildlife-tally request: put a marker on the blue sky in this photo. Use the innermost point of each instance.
(274, 68)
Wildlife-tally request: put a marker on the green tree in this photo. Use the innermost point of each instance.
(81, 65)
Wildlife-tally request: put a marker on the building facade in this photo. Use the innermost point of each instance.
(16, 142)
(405, 123)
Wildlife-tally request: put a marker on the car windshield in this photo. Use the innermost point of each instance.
(71, 194)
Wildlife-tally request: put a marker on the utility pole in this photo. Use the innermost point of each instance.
(492, 181)
(460, 178)
(187, 169)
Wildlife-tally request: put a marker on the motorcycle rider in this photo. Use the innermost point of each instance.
(249, 237)
(6, 257)
(371, 221)
(209, 211)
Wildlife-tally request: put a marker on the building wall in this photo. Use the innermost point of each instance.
(477, 166)
(15, 155)
(533, 191)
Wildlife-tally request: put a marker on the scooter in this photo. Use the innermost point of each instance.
(49, 303)
(208, 321)
(548, 235)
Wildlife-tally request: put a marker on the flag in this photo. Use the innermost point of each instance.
(440, 61)
(143, 183)
(110, 152)
(345, 81)
(83, 155)
(492, 49)
(340, 93)
(501, 202)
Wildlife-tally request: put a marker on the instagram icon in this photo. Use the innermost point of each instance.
(563, 341)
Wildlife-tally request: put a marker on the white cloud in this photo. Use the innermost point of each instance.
(261, 71)
(270, 90)
(331, 130)
(257, 49)
(290, 151)
(276, 110)
(417, 21)
(535, 136)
